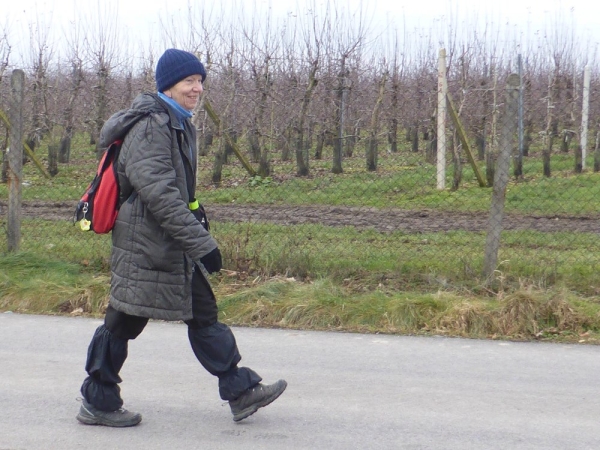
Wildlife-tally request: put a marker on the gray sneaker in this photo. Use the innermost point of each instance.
(254, 398)
(119, 418)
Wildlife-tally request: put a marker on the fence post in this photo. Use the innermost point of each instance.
(585, 114)
(15, 160)
(441, 120)
(509, 122)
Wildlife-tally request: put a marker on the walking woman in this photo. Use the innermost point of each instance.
(162, 251)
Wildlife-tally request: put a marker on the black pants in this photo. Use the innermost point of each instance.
(213, 344)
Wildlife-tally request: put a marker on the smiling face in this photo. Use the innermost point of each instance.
(187, 92)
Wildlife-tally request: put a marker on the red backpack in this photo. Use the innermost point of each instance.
(98, 208)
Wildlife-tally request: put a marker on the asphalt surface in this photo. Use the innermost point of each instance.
(346, 391)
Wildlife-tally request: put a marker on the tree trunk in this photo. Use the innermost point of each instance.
(229, 143)
(481, 135)
(492, 147)
(64, 151)
(208, 137)
(284, 139)
(551, 126)
(253, 140)
(393, 136)
(527, 137)
(372, 153)
(205, 141)
(457, 163)
(490, 166)
(431, 151)
(350, 142)
(301, 162)
(528, 125)
(578, 161)
(415, 140)
(217, 172)
(546, 155)
(567, 138)
(339, 140)
(372, 144)
(480, 143)
(597, 153)
(53, 159)
(201, 145)
(320, 144)
(393, 123)
(264, 165)
(308, 142)
(302, 150)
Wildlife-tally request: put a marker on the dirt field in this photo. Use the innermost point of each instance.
(381, 220)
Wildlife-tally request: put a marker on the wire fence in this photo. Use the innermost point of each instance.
(441, 178)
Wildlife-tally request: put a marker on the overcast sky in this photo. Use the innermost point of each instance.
(142, 16)
(142, 11)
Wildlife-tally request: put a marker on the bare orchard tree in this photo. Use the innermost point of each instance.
(263, 82)
(313, 32)
(324, 109)
(41, 54)
(204, 27)
(74, 84)
(5, 50)
(372, 143)
(200, 118)
(227, 76)
(550, 125)
(263, 48)
(340, 104)
(146, 79)
(105, 48)
(397, 74)
(287, 93)
(358, 95)
(418, 97)
(559, 50)
(350, 32)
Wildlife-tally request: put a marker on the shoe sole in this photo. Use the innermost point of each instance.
(87, 420)
(256, 406)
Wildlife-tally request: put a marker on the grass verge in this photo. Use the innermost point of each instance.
(30, 283)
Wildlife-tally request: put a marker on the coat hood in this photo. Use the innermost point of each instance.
(119, 124)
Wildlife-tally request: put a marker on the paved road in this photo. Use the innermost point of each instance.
(346, 391)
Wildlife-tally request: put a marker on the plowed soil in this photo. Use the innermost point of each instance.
(412, 221)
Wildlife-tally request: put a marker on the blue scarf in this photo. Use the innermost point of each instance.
(180, 112)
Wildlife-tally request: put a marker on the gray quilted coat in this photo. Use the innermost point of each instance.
(156, 239)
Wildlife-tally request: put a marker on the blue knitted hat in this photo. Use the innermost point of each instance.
(174, 65)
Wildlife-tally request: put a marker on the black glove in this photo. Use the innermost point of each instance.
(212, 261)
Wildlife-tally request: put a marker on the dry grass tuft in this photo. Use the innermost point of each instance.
(533, 314)
(518, 315)
(467, 318)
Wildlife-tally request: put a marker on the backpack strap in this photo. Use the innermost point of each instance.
(189, 171)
